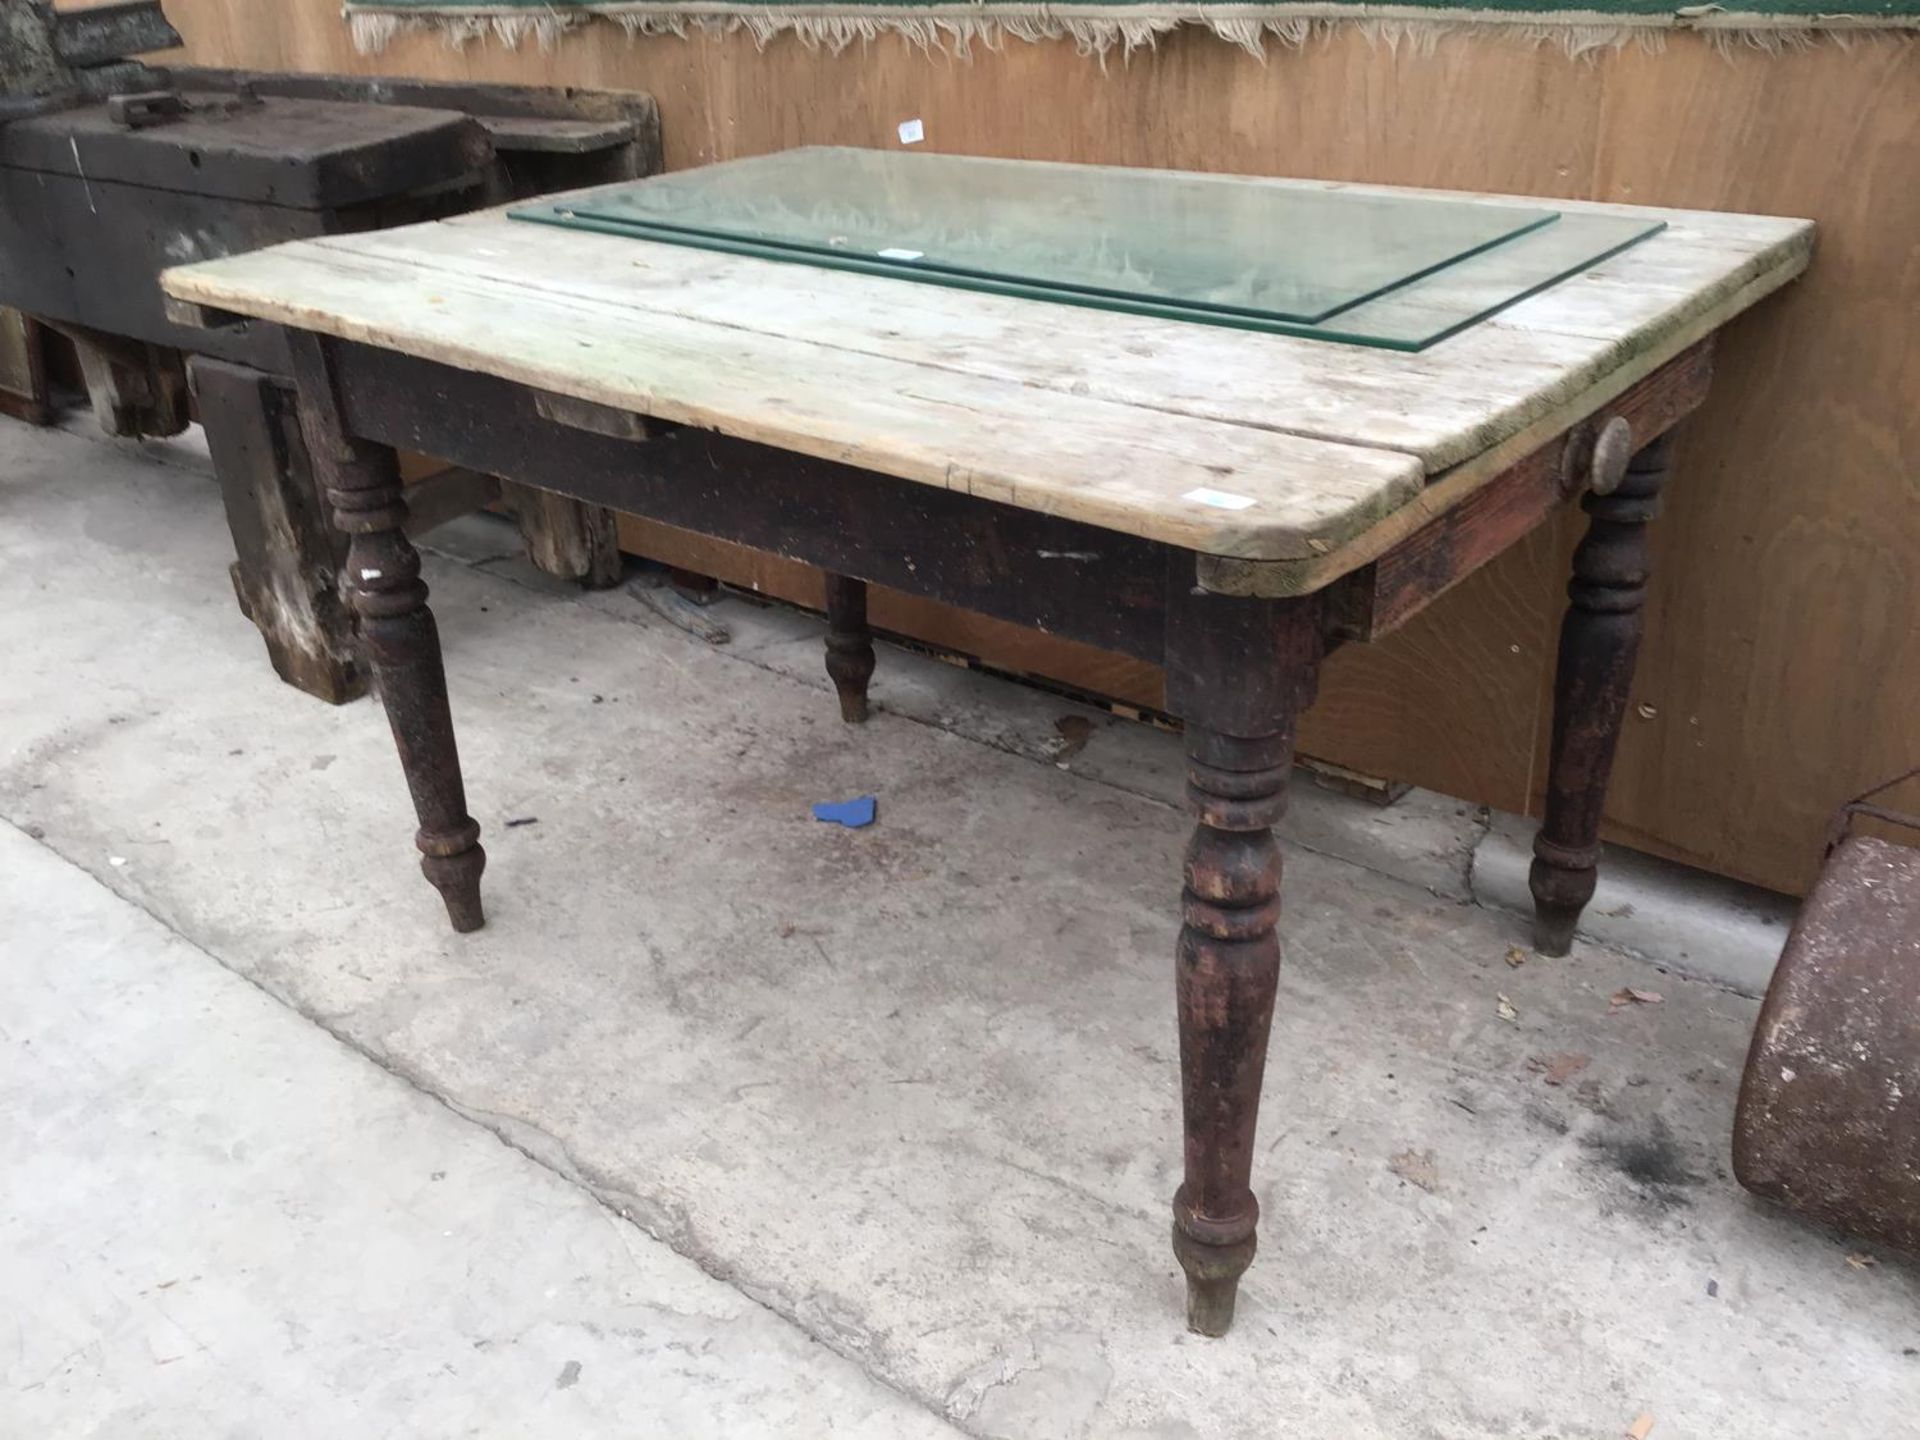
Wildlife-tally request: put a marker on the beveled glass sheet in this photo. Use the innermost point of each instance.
(1199, 240)
(1448, 301)
(1215, 249)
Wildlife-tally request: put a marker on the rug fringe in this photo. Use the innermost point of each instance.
(1098, 30)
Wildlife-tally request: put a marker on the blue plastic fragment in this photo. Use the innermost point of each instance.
(854, 814)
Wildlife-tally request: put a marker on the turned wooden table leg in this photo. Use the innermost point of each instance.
(849, 645)
(1239, 672)
(402, 643)
(1599, 642)
(1226, 970)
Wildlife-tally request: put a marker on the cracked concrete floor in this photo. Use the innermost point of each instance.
(912, 1088)
(216, 1220)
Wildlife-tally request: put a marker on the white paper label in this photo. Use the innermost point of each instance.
(1219, 499)
(899, 254)
(912, 132)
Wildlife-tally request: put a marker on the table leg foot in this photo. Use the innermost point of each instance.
(456, 876)
(1599, 644)
(1227, 969)
(850, 659)
(1554, 922)
(1213, 1280)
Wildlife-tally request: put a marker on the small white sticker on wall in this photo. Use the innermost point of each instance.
(891, 254)
(912, 132)
(1219, 499)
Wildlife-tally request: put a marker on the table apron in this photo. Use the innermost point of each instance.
(1060, 576)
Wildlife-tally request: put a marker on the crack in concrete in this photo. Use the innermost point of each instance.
(965, 1399)
(545, 1149)
(1469, 853)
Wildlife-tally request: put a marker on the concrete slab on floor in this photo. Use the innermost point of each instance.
(913, 1087)
(218, 1220)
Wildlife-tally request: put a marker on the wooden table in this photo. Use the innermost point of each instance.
(1229, 504)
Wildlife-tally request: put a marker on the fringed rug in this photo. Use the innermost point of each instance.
(1099, 27)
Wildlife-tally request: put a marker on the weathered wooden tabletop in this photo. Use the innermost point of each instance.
(1306, 456)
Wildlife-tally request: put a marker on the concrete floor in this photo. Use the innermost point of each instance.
(221, 1221)
(910, 1089)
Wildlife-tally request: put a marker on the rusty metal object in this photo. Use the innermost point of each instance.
(1599, 643)
(850, 658)
(1829, 1117)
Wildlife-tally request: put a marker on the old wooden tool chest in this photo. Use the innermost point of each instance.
(99, 193)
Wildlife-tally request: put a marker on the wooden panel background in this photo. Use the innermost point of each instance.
(1782, 669)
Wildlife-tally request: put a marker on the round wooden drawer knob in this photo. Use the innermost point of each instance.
(1611, 452)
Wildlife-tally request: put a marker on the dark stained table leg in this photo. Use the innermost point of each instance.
(403, 645)
(1238, 672)
(849, 645)
(1599, 642)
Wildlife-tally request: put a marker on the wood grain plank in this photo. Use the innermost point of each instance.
(1781, 673)
(1107, 464)
(1443, 404)
(412, 287)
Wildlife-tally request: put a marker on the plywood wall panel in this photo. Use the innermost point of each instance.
(1782, 667)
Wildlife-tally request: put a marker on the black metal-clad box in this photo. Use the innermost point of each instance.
(99, 196)
(96, 201)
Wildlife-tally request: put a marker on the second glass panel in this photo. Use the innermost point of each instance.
(1197, 241)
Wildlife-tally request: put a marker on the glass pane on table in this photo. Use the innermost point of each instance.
(1389, 270)
(1448, 301)
(1206, 241)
